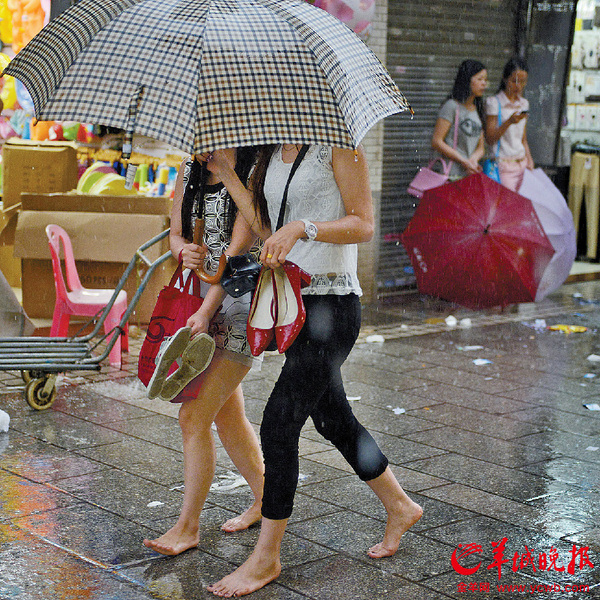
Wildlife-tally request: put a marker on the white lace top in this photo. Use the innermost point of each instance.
(314, 195)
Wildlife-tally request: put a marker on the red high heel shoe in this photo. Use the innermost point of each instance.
(289, 279)
(261, 319)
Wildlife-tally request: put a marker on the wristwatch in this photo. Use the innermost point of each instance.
(310, 229)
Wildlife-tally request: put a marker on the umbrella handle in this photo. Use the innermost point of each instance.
(202, 274)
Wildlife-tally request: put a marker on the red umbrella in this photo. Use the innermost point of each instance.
(477, 243)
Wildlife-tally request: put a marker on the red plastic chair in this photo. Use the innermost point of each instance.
(81, 301)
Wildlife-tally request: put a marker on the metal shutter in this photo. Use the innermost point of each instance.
(426, 43)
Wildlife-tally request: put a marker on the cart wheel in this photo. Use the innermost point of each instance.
(26, 375)
(37, 396)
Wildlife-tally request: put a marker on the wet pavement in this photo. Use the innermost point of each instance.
(485, 425)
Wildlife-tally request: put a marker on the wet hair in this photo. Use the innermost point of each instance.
(516, 63)
(257, 183)
(245, 159)
(462, 84)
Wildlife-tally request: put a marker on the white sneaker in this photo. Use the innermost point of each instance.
(194, 359)
(170, 350)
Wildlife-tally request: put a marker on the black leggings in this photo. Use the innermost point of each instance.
(310, 384)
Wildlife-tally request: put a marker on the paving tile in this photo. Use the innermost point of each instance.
(64, 430)
(341, 577)
(82, 403)
(573, 445)
(160, 430)
(139, 457)
(125, 495)
(493, 404)
(40, 461)
(32, 569)
(486, 381)
(568, 470)
(475, 445)
(91, 532)
(20, 497)
(581, 424)
(352, 494)
(478, 421)
(496, 479)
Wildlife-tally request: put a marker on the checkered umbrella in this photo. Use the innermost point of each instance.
(207, 74)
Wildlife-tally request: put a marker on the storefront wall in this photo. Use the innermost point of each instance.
(426, 41)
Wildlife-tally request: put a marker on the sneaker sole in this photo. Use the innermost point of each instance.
(194, 360)
(177, 345)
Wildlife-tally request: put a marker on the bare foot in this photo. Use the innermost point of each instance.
(398, 523)
(243, 521)
(254, 574)
(173, 542)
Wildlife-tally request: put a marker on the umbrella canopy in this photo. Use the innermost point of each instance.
(557, 221)
(477, 243)
(207, 74)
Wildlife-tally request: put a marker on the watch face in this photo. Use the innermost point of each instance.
(311, 231)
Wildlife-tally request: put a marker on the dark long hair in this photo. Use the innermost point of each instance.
(462, 84)
(516, 63)
(245, 159)
(257, 183)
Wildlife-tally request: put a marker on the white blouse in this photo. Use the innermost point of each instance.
(511, 143)
(314, 195)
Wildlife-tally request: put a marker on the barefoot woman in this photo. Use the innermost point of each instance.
(329, 211)
(216, 395)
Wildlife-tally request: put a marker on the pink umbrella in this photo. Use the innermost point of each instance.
(557, 221)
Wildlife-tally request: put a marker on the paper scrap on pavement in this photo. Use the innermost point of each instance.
(593, 358)
(482, 361)
(4, 421)
(592, 448)
(154, 504)
(470, 348)
(594, 406)
(374, 339)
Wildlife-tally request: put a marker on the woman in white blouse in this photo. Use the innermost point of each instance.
(508, 135)
(329, 211)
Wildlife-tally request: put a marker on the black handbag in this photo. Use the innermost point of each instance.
(241, 272)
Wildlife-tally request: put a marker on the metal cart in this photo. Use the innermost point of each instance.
(41, 359)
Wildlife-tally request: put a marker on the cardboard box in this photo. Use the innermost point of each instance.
(9, 265)
(37, 167)
(103, 244)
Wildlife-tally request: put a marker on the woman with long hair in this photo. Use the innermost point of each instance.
(465, 107)
(214, 396)
(509, 138)
(329, 211)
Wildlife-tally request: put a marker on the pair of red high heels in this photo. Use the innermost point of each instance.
(277, 310)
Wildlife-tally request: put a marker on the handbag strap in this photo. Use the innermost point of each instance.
(295, 166)
(499, 123)
(448, 165)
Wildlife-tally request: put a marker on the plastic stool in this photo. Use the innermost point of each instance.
(584, 181)
(82, 301)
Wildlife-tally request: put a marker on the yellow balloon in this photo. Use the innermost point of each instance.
(5, 23)
(9, 92)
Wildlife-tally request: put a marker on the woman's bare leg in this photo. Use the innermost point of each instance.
(241, 443)
(402, 513)
(261, 567)
(220, 381)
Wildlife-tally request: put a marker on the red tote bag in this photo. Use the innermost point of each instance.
(175, 304)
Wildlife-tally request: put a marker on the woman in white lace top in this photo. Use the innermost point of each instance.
(329, 210)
